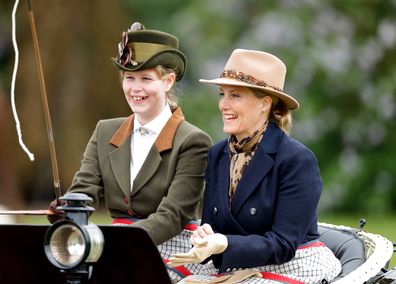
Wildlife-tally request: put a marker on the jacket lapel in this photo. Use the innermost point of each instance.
(120, 158)
(162, 143)
(148, 169)
(120, 164)
(258, 167)
(165, 138)
(224, 176)
(223, 183)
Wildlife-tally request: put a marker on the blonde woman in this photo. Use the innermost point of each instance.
(262, 186)
(149, 167)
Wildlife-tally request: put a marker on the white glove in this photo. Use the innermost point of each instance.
(203, 248)
(201, 232)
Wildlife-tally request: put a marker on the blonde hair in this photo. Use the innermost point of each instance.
(282, 117)
(171, 97)
(162, 71)
(279, 113)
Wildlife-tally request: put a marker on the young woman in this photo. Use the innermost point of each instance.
(149, 167)
(262, 186)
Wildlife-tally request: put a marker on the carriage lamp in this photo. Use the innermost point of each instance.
(72, 244)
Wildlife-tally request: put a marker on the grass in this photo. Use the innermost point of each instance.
(99, 218)
(383, 225)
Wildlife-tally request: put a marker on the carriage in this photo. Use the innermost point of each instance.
(124, 254)
(364, 256)
(76, 251)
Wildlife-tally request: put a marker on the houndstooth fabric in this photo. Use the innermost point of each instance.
(179, 243)
(251, 280)
(310, 265)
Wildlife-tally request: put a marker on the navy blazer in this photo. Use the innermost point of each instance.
(274, 208)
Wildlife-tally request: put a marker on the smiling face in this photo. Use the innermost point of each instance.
(145, 92)
(242, 111)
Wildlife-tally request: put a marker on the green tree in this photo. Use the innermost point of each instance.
(341, 67)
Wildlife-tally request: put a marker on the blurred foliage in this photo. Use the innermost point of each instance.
(341, 59)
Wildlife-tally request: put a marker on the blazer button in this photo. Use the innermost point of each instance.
(253, 211)
(126, 200)
(130, 212)
(215, 210)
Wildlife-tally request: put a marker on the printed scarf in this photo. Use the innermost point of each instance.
(241, 152)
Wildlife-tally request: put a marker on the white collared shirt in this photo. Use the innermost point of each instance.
(141, 144)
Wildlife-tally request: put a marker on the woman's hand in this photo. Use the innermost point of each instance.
(54, 214)
(204, 248)
(200, 233)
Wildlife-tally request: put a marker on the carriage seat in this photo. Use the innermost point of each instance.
(346, 246)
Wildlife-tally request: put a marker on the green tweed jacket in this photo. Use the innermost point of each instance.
(169, 187)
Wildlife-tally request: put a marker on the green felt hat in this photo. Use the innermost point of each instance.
(141, 49)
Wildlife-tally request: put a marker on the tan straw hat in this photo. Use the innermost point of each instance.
(258, 70)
